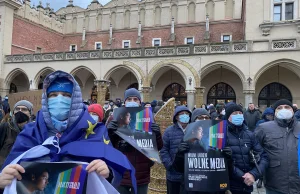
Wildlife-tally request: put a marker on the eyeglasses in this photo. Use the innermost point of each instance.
(21, 109)
(203, 118)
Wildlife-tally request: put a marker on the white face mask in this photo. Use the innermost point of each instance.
(284, 114)
(95, 117)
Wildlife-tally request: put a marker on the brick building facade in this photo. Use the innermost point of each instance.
(216, 51)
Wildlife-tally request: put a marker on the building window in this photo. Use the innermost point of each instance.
(226, 38)
(156, 42)
(38, 50)
(283, 10)
(126, 43)
(73, 47)
(98, 45)
(189, 40)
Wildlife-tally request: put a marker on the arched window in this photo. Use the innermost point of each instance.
(221, 92)
(127, 19)
(13, 88)
(134, 85)
(99, 22)
(177, 91)
(229, 9)
(210, 9)
(113, 19)
(174, 12)
(273, 92)
(191, 10)
(142, 16)
(157, 15)
(74, 24)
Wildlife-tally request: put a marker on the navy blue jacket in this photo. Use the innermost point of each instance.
(241, 141)
(171, 140)
(268, 111)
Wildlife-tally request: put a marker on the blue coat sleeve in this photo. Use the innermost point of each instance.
(164, 152)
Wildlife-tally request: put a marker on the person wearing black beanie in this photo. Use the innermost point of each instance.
(280, 140)
(238, 145)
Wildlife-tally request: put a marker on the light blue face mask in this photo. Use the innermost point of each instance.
(237, 119)
(184, 118)
(59, 107)
(95, 117)
(131, 104)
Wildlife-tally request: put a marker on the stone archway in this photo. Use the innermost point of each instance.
(18, 80)
(217, 64)
(171, 63)
(40, 76)
(85, 77)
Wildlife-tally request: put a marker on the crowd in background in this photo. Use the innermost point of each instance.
(260, 145)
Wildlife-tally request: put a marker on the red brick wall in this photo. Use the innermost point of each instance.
(234, 28)
(28, 35)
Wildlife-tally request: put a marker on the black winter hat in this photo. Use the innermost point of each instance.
(232, 108)
(132, 92)
(282, 102)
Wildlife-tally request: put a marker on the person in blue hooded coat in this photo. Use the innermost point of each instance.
(65, 122)
(171, 140)
(268, 115)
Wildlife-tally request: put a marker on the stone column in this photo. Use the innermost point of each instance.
(190, 99)
(146, 94)
(199, 96)
(248, 97)
(102, 86)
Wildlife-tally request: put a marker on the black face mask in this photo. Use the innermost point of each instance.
(21, 117)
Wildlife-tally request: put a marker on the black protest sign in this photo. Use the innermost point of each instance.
(205, 166)
(135, 129)
(49, 178)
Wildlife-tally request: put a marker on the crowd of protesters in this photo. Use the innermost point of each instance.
(272, 136)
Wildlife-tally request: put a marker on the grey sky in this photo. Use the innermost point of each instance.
(56, 4)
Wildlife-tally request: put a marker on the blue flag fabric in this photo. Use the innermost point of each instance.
(84, 141)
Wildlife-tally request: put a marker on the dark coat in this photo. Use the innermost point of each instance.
(281, 143)
(171, 140)
(140, 162)
(241, 141)
(251, 118)
(268, 111)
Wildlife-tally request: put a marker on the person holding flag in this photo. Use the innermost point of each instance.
(65, 131)
(140, 161)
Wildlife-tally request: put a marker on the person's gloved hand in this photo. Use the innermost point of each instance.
(123, 146)
(112, 126)
(227, 151)
(156, 129)
(183, 148)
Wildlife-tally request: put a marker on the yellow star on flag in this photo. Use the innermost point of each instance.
(90, 130)
(106, 141)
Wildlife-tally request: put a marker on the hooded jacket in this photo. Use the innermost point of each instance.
(198, 112)
(82, 133)
(171, 140)
(268, 111)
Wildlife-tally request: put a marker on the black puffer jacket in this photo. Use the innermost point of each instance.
(241, 141)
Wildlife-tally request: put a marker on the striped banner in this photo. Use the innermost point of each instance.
(71, 181)
(144, 120)
(217, 135)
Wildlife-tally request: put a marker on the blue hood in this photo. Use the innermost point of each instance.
(178, 110)
(77, 105)
(268, 111)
